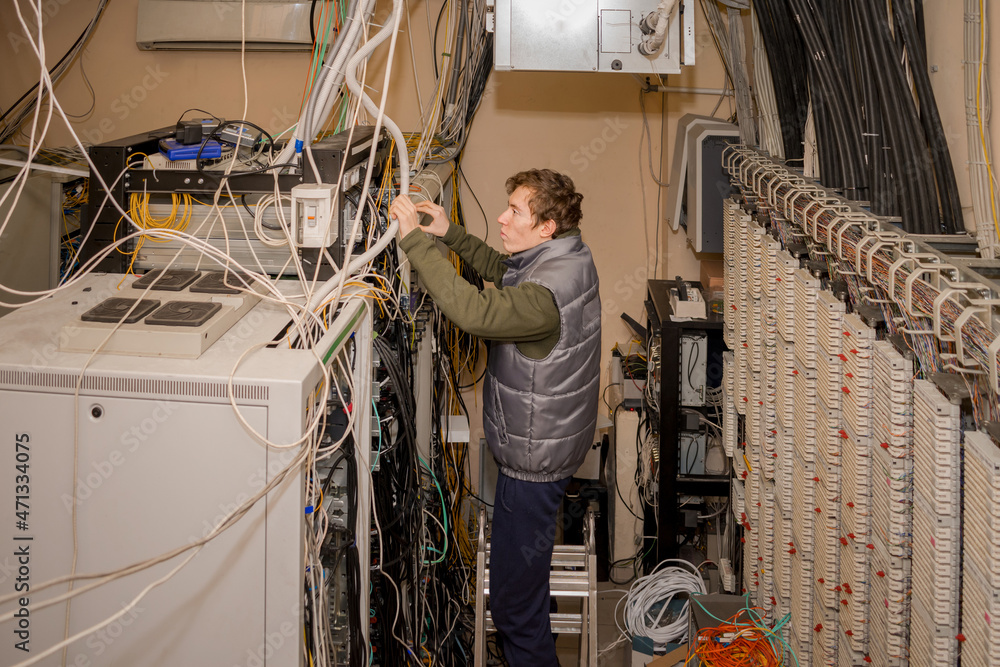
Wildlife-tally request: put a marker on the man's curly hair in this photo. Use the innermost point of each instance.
(553, 196)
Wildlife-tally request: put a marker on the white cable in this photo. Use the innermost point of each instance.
(649, 600)
(258, 219)
(769, 120)
(330, 78)
(652, 43)
(107, 621)
(337, 281)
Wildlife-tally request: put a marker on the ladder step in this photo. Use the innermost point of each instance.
(576, 557)
(562, 583)
(561, 549)
(568, 624)
(569, 560)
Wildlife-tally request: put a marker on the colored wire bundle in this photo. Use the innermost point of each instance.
(885, 271)
(739, 641)
(181, 207)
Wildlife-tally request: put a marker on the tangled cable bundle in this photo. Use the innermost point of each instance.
(649, 600)
(738, 642)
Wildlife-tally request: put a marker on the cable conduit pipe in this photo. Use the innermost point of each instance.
(390, 28)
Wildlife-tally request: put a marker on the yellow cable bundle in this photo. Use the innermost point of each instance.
(139, 211)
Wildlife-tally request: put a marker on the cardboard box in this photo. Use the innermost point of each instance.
(643, 652)
(672, 659)
(710, 268)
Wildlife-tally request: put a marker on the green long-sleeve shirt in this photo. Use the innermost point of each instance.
(526, 314)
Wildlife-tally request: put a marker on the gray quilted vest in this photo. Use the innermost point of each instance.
(540, 415)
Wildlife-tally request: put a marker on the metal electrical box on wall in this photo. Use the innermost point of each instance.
(588, 36)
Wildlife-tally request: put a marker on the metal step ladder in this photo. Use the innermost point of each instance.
(574, 575)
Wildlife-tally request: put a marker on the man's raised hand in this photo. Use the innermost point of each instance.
(438, 226)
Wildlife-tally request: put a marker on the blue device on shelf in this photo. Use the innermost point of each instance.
(174, 150)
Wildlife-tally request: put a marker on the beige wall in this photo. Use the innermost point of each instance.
(587, 125)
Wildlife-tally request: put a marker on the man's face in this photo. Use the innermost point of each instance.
(517, 230)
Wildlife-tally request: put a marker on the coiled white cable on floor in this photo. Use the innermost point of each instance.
(650, 596)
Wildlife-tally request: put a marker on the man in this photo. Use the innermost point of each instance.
(541, 390)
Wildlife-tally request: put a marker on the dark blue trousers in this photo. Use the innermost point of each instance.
(524, 530)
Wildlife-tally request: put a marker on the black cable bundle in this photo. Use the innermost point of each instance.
(875, 141)
(786, 53)
(837, 126)
(353, 558)
(868, 105)
(481, 76)
(912, 182)
(944, 172)
(397, 490)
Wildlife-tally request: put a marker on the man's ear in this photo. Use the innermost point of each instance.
(548, 229)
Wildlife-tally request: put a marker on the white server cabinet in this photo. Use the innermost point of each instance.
(159, 457)
(624, 527)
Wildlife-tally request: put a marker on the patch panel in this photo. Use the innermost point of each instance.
(980, 617)
(889, 610)
(936, 449)
(856, 490)
(730, 421)
(785, 267)
(806, 293)
(829, 378)
(754, 335)
(784, 382)
(936, 562)
(981, 505)
(806, 418)
(829, 434)
(936, 645)
(783, 471)
(981, 544)
(802, 605)
(857, 391)
(804, 502)
(738, 500)
(847, 655)
(768, 253)
(740, 379)
(862, 509)
(782, 543)
(830, 313)
(855, 589)
(825, 635)
(766, 530)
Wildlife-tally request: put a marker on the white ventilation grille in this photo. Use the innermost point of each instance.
(132, 386)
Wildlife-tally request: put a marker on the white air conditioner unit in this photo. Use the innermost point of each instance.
(217, 25)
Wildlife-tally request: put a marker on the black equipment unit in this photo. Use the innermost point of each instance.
(102, 224)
